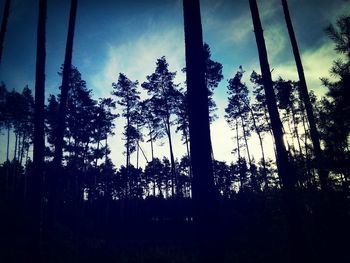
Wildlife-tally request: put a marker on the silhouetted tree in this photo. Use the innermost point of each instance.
(61, 116)
(65, 83)
(334, 116)
(80, 122)
(238, 109)
(223, 178)
(182, 120)
(3, 112)
(203, 190)
(126, 91)
(164, 97)
(213, 76)
(104, 126)
(35, 188)
(284, 167)
(5, 18)
(323, 174)
(24, 126)
(152, 122)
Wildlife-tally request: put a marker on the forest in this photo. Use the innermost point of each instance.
(63, 199)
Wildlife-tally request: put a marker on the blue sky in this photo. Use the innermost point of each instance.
(115, 36)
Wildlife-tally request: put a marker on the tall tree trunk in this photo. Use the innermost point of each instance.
(97, 149)
(143, 153)
(261, 147)
(252, 173)
(151, 141)
(270, 130)
(127, 189)
(35, 182)
(22, 149)
(172, 160)
(19, 146)
(188, 154)
(8, 142)
(137, 154)
(284, 168)
(67, 65)
(106, 151)
(241, 174)
(315, 137)
(15, 148)
(5, 18)
(65, 84)
(307, 155)
(296, 132)
(290, 133)
(203, 190)
(127, 161)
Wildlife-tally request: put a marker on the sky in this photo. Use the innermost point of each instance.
(115, 36)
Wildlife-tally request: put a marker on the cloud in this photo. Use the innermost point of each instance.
(276, 41)
(137, 59)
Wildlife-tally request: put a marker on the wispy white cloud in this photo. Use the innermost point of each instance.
(276, 41)
(137, 58)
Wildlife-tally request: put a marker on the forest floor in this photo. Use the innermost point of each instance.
(250, 228)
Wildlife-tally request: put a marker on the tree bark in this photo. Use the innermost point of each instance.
(315, 137)
(35, 182)
(284, 168)
(58, 155)
(172, 160)
(15, 149)
(203, 181)
(296, 132)
(151, 141)
(5, 18)
(252, 174)
(65, 84)
(8, 143)
(261, 147)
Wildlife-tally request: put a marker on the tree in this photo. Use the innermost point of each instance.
(238, 109)
(283, 165)
(39, 143)
(315, 138)
(67, 66)
(223, 178)
(80, 122)
(203, 190)
(286, 101)
(24, 126)
(334, 116)
(104, 126)
(126, 91)
(182, 120)
(3, 108)
(5, 18)
(282, 155)
(164, 98)
(60, 127)
(152, 122)
(213, 76)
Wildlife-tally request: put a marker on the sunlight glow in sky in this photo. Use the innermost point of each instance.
(115, 36)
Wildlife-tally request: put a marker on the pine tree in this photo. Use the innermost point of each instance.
(164, 98)
(203, 189)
